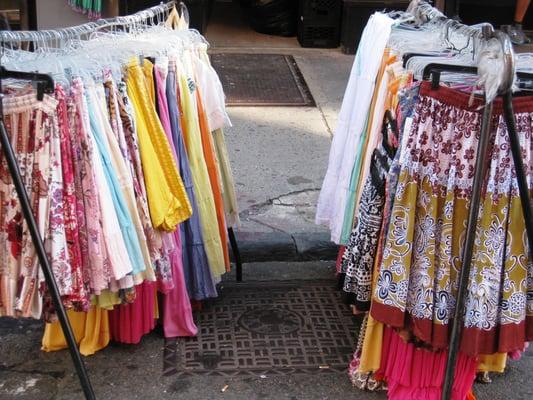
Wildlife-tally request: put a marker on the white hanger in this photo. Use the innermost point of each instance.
(89, 48)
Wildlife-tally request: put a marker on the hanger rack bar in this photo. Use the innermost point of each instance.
(45, 264)
(78, 31)
(424, 12)
(137, 18)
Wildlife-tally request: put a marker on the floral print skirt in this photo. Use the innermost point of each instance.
(34, 134)
(417, 282)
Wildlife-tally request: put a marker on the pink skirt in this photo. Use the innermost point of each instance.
(128, 323)
(414, 373)
(175, 306)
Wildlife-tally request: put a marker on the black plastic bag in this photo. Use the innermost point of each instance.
(272, 17)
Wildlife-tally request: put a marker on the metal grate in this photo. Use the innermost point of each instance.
(261, 80)
(275, 328)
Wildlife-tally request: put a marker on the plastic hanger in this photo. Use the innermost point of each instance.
(110, 44)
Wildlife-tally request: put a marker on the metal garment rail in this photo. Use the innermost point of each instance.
(468, 248)
(236, 254)
(510, 120)
(56, 36)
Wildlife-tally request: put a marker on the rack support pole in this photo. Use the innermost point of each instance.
(44, 262)
(236, 253)
(464, 273)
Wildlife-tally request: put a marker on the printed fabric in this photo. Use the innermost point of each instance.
(92, 239)
(417, 282)
(358, 258)
(34, 134)
(79, 297)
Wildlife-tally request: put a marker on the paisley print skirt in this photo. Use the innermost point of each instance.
(417, 282)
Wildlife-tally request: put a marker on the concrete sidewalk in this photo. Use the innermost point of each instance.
(279, 157)
(136, 372)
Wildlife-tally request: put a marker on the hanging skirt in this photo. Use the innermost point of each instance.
(90, 329)
(417, 282)
(417, 374)
(128, 323)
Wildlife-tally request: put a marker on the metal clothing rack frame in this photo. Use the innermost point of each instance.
(43, 260)
(424, 10)
(59, 35)
(56, 36)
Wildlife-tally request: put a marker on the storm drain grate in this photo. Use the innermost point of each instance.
(274, 329)
(261, 80)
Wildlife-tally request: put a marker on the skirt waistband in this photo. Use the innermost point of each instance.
(465, 101)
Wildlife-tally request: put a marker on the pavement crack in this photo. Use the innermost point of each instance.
(293, 193)
(323, 115)
(12, 367)
(18, 370)
(277, 201)
(267, 225)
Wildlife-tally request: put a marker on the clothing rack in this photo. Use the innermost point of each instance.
(46, 82)
(58, 36)
(423, 10)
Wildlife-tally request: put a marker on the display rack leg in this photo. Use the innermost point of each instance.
(519, 167)
(45, 264)
(468, 248)
(236, 253)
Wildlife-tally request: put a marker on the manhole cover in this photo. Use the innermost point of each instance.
(261, 80)
(272, 321)
(273, 328)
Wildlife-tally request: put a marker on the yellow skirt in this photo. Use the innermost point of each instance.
(492, 362)
(91, 330)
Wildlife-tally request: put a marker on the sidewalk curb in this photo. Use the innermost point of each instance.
(281, 246)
